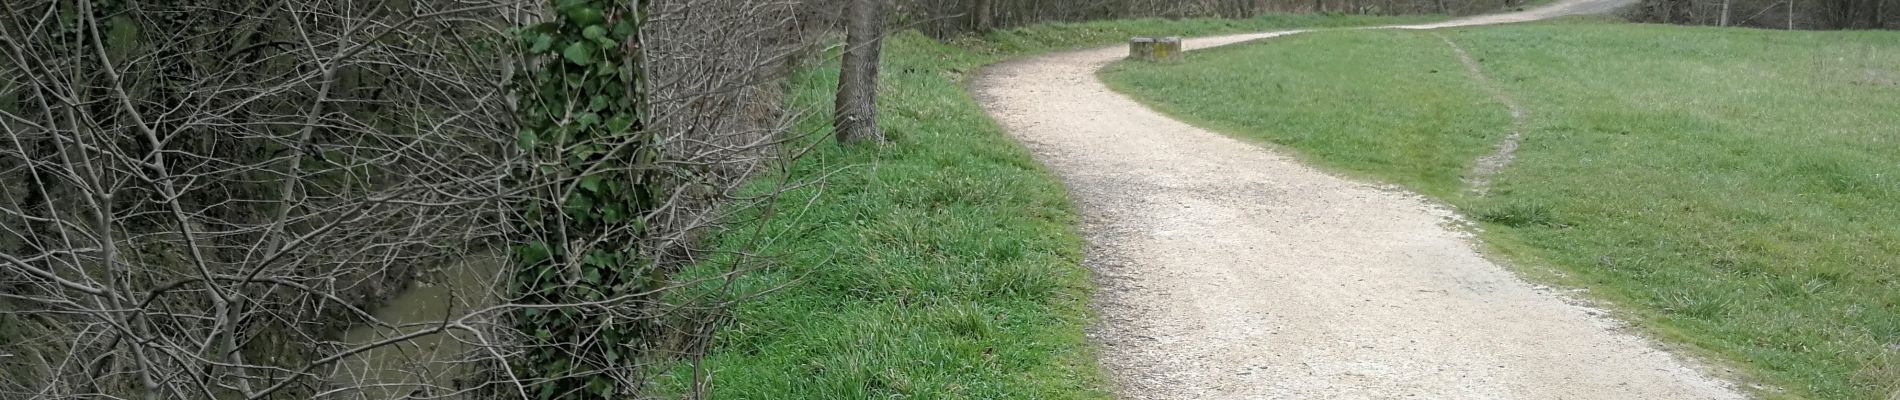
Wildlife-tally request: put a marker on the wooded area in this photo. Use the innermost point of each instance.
(1776, 14)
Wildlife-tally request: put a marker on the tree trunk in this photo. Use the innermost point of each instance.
(980, 14)
(1872, 16)
(1725, 7)
(1791, 15)
(856, 115)
(1880, 14)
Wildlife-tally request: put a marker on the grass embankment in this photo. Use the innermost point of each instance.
(944, 265)
(1736, 190)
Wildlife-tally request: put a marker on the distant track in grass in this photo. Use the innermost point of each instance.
(1478, 180)
(1231, 271)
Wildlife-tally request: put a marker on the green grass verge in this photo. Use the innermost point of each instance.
(1735, 190)
(944, 265)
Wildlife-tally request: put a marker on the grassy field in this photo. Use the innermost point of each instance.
(1734, 190)
(944, 265)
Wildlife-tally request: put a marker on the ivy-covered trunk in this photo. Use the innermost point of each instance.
(583, 280)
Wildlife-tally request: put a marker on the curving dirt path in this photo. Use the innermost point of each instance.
(1478, 179)
(1229, 271)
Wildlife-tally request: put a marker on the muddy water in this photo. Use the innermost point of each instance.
(425, 365)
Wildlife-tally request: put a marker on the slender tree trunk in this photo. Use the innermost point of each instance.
(856, 115)
(1880, 14)
(1725, 7)
(1791, 15)
(1874, 10)
(980, 13)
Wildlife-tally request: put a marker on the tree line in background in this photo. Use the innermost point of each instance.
(1778, 14)
(946, 18)
(855, 113)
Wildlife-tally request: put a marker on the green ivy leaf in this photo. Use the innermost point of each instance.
(619, 123)
(599, 103)
(601, 386)
(533, 253)
(526, 139)
(591, 183)
(579, 205)
(583, 152)
(579, 53)
(612, 215)
(588, 119)
(585, 15)
(542, 42)
(594, 32)
(623, 30)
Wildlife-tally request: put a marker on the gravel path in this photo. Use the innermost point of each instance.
(1229, 271)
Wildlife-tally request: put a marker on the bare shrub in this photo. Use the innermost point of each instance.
(198, 198)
